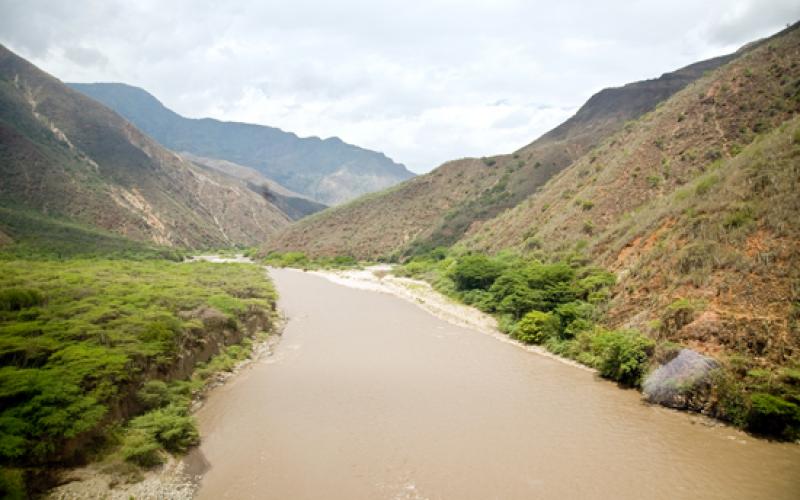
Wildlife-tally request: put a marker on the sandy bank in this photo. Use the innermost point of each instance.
(378, 279)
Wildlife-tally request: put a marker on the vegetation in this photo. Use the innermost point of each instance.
(302, 261)
(88, 343)
(556, 304)
(561, 305)
(45, 237)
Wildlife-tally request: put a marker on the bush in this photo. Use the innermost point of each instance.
(15, 299)
(622, 355)
(575, 316)
(140, 447)
(774, 416)
(12, 484)
(512, 295)
(729, 397)
(153, 394)
(537, 327)
(172, 427)
(475, 271)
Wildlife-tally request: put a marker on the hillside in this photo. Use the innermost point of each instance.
(694, 207)
(66, 155)
(438, 208)
(294, 205)
(328, 171)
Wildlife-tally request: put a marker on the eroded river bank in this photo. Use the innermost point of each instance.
(370, 396)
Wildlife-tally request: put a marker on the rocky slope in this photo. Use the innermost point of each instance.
(64, 154)
(329, 171)
(694, 206)
(438, 208)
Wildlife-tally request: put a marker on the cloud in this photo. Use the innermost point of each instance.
(424, 82)
(83, 56)
(753, 19)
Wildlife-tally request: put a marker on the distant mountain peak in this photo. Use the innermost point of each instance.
(329, 170)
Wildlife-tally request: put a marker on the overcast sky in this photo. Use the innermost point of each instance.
(423, 81)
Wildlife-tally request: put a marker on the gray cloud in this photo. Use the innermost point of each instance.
(422, 81)
(83, 56)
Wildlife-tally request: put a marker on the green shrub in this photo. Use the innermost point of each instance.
(774, 416)
(512, 295)
(622, 355)
(12, 484)
(153, 394)
(575, 317)
(476, 271)
(729, 397)
(140, 447)
(536, 327)
(15, 299)
(172, 427)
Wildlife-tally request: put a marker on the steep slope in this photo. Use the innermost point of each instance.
(328, 171)
(65, 154)
(294, 205)
(695, 208)
(438, 208)
(710, 120)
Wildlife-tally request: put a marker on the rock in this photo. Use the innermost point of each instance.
(681, 383)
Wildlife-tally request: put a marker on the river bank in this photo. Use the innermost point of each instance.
(174, 479)
(222, 350)
(378, 278)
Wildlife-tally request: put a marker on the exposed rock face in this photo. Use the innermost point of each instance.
(682, 383)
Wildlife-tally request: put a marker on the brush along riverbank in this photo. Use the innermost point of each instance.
(103, 359)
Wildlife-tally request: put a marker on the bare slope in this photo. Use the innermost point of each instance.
(64, 153)
(439, 207)
(709, 121)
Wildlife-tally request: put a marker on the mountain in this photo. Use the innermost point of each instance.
(328, 171)
(66, 155)
(694, 206)
(294, 205)
(686, 210)
(438, 208)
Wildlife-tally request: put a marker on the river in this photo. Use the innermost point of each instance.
(368, 396)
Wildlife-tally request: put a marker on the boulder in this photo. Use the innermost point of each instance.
(684, 382)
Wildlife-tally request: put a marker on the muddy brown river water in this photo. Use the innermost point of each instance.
(370, 397)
